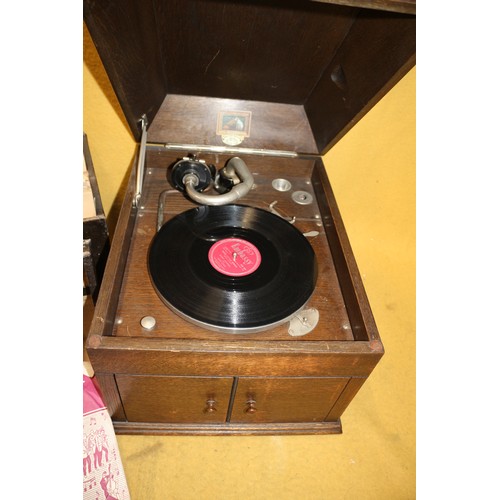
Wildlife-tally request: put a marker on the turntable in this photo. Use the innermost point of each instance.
(231, 301)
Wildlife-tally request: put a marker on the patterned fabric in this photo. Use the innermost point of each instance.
(103, 475)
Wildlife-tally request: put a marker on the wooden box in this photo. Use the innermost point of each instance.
(295, 76)
(95, 229)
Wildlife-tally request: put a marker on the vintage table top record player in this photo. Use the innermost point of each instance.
(231, 301)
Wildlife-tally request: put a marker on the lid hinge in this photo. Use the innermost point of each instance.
(141, 161)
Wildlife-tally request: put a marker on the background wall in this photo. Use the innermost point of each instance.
(372, 171)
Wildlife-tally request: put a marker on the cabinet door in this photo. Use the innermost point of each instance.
(285, 399)
(174, 399)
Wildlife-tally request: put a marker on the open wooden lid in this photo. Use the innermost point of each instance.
(291, 75)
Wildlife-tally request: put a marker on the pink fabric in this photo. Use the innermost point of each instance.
(103, 475)
(91, 398)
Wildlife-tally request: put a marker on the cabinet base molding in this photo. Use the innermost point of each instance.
(135, 428)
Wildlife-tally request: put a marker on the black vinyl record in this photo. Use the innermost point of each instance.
(232, 268)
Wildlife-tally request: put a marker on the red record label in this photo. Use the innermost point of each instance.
(234, 257)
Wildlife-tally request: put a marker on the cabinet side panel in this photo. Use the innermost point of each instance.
(377, 52)
(126, 39)
(353, 291)
(345, 398)
(110, 394)
(110, 289)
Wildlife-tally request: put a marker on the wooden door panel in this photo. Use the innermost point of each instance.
(175, 399)
(284, 399)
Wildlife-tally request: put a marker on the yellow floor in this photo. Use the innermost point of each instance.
(372, 171)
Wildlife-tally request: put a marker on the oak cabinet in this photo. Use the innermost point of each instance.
(180, 69)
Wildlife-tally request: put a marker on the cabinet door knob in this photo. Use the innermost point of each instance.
(251, 408)
(210, 408)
